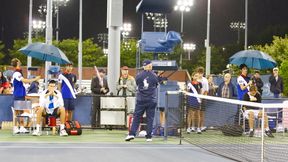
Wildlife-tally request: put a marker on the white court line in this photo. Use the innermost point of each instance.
(97, 147)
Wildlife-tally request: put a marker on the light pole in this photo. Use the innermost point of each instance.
(183, 6)
(237, 26)
(246, 24)
(38, 26)
(207, 41)
(29, 58)
(189, 47)
(49, 35)
(57, 4)
(80, 45)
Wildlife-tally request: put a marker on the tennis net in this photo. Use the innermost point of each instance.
(229, 127)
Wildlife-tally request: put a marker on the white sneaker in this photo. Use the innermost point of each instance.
(129, 138)
(23, 130)
(199, 131)
(149, 140)
(188, 130)
(203, 129)
(63, 132)
(36, 133)
(16, 130)
(192, 129)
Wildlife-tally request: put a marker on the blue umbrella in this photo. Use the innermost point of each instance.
(253, 59)
(45, 52)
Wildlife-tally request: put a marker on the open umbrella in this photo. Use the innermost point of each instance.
(253, 59)
(45, 52)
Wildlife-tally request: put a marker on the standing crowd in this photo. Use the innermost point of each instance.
(62, 103)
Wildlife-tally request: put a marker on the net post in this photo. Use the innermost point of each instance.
(165, 112)
(262, 135)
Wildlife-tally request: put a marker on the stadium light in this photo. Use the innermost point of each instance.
(183, 6)
(238, 26)
(189, 47)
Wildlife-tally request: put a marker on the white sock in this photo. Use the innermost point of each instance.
(15, 127)
(62, 126)
(251, 130)
(38, 127)
(21, 127)
(267, 129)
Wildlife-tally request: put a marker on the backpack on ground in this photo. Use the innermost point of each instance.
(73, 128)
(232, 130)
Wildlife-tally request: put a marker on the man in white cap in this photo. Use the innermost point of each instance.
(146, 100)
(276, 82)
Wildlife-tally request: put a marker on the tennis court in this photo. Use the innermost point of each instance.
(99, 145)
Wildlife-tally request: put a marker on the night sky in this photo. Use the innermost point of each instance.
(266, 18)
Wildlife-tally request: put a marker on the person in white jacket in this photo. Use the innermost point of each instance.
(51, 104)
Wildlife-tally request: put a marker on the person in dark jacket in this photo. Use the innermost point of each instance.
(226, 89)
(146, 100)
(99, 86)
(276, 82)
(257, 81)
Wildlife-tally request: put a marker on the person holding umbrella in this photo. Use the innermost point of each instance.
(243, 82)
(19, 91)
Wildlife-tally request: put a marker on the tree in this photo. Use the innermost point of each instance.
(283, 73)
(278, 49)
(19, 43)
(92, 53)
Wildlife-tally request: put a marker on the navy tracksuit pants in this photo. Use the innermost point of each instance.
(141, 107)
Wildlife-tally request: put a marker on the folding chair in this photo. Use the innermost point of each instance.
(22, 111)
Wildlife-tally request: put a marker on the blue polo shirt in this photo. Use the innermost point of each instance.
(147, 82)
(19, 89)
(66, 91)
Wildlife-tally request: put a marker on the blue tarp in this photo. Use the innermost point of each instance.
(156, 6)
(159, 42)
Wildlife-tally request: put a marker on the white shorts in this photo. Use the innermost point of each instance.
(246, 113)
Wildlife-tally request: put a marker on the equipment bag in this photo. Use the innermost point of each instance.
(232, 130)
(73, 128)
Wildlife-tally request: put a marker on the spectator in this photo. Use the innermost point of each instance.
(251, 113)
(257, 81)
(67, 81)
(276, 82)
(226, 89)
(243, 82)
(193, 103)
(146, 100)
(212, 86)
(51, 104)
(19, 92)
(99, 86)
(205, 90)
(3, 83)
(126, 85)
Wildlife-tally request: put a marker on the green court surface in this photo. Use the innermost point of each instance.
(88, 135)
